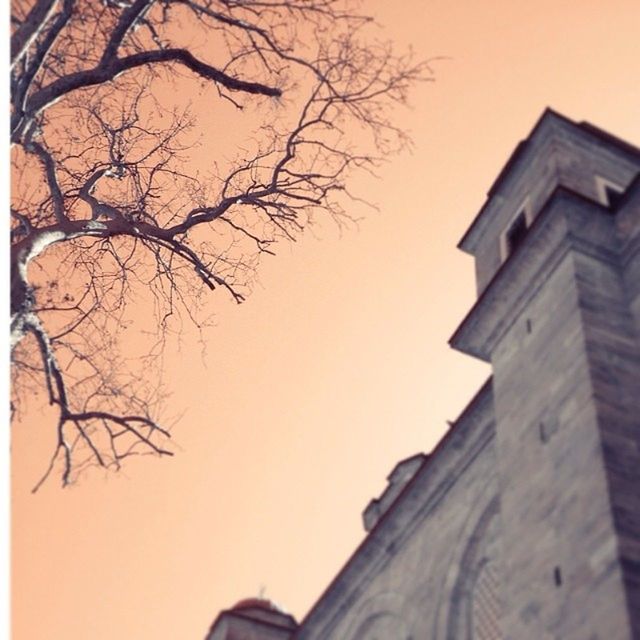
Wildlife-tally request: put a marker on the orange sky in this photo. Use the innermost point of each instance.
(336, 367)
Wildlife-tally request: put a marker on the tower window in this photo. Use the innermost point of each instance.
(609, 193)
(516, 232)
(613, 196)
(487, 605)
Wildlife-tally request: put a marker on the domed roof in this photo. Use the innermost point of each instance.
(256, 603)
(258, 610)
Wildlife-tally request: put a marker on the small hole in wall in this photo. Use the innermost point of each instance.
(557, 576)
(529, 325)
(543, 433)
(547, 428)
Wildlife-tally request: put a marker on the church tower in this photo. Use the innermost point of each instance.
(557, 255)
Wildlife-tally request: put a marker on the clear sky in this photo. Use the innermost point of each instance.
(337, 366)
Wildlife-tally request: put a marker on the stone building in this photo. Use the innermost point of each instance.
(524, 522)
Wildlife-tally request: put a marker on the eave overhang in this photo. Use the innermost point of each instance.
(548, 239)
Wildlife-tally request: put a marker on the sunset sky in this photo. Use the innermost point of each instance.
(335, 368)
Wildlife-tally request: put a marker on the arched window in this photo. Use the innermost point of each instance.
(486, 606)
(382, 626)
(476, 600)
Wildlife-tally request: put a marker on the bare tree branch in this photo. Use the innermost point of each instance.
(109, 208)
(30, 28)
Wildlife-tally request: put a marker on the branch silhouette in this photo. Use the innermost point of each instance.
(107, 204)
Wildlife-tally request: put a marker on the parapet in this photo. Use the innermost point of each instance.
(398, 480)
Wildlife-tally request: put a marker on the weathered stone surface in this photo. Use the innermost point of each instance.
(524, 523)
(426, 550)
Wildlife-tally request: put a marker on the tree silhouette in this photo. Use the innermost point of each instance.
(106, 202)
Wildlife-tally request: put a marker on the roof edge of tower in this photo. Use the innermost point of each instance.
(467, 241)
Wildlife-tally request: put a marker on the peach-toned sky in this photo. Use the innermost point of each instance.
(336, 367)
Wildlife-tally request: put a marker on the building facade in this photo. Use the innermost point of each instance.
(524, 522)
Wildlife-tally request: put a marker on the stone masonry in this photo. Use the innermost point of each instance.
(524, 522)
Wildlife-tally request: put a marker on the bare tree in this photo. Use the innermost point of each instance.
(107, 204)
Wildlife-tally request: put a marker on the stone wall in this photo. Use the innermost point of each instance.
(415, 574)
(524, 522)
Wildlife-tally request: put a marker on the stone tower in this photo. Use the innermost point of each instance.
(524, 522)
(557, 256)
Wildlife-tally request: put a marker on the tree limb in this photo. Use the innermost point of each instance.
(111, 69)
(30, 28)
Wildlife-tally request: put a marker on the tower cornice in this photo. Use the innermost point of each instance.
(553, 233)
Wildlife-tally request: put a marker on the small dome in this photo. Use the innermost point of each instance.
(256, 603)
